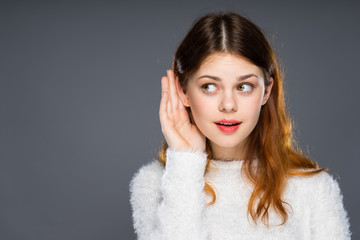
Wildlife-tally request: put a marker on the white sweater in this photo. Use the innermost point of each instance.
(170, 203)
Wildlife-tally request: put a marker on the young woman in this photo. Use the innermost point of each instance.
(228, 169)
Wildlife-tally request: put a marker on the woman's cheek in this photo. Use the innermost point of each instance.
(255, 107)
(249, 107)
(202, 109)
(201, 106)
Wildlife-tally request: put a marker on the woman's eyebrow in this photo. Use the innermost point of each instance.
(241, 78)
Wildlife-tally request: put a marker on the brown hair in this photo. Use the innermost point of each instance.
(271, 141)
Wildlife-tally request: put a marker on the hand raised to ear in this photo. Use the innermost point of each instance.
(179, 133)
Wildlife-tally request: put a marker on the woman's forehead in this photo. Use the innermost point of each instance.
(227, 64)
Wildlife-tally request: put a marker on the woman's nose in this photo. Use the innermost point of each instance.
(228, 103)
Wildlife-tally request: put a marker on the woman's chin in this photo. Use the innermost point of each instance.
(225, 144)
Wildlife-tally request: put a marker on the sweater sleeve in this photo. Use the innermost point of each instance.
(168, 203)
(329, 217)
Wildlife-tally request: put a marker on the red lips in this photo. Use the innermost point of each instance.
(227, 121)
(228, 125)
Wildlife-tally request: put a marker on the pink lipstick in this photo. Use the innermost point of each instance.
(228, 126)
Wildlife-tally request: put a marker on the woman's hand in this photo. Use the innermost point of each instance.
(179, 133)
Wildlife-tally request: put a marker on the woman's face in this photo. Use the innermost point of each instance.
(226, 87)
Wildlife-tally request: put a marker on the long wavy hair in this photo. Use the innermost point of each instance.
(271, 141)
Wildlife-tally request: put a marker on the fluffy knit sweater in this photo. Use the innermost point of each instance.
(169, 203)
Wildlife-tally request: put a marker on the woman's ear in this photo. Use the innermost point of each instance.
(267, 91)
(183, 97)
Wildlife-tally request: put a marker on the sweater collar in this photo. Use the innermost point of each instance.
(226, 164)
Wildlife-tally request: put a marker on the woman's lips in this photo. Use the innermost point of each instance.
(228, 126)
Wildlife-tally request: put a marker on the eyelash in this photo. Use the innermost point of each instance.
(242, 84)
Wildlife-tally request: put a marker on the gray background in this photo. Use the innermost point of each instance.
(80, 90)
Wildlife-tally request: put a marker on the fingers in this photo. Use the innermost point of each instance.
(164, 84)
(164, 93)
(173, 93)
(164, 99)
(166, 121)
(178, 89)
(165, 88)
(170, 104)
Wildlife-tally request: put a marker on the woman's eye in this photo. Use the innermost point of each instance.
(208, 87)
(245, 87)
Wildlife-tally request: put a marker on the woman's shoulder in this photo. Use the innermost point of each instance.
(147, 176)
(320, 195)
(316, 179)
(318, 183)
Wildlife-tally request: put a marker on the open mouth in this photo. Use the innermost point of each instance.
(228, 126)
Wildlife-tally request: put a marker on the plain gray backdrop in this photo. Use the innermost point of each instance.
(80, 90)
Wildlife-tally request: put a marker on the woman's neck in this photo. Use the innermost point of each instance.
(227, 153)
